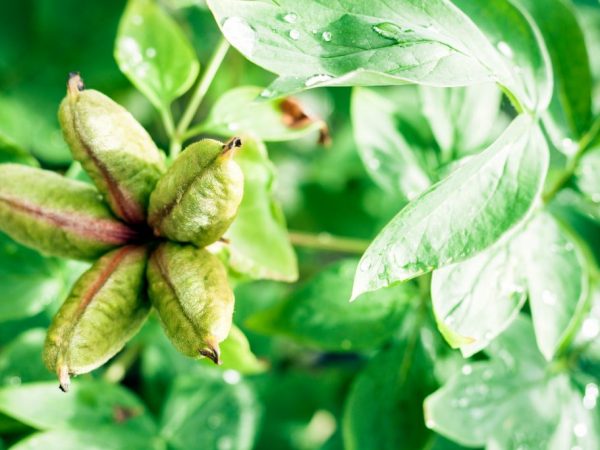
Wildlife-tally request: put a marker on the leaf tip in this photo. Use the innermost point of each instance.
(212, 351)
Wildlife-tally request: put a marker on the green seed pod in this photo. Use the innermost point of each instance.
(113, 148)
(57, 216)
(199, 196)
(105, 308)
(189, 289)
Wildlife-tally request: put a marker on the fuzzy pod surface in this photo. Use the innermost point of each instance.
(113, 148)
(56, 215)
(189, 289)
(105, 308)
(199, 196)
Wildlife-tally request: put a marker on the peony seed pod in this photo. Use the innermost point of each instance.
(56, 215)
(199, 196)
(189, 289)
(105, 308)
(113, 148)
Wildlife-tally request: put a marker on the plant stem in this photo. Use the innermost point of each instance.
(122, 363)
(198, 95)
(325, 241)
(167, 120)
(573, 163)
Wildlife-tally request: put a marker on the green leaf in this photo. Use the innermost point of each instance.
(579, 425)
(152, 51)
(12, 153)
(462, 119)
(355, 43)
(570, 112)
(21, 359)
(238, 111)
(557, 281)
(372, 43)
(520, 47)
(319, 315)
(237, 354)
(382, 408)
(29, 281)
(498, 401)
(477, 299)
(259, 246)
(88, 404)
(388, 156)
(100, 438)
(212, 409)
(461, 215)
(587, 171)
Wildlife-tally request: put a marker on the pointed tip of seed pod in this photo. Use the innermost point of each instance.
(75, 84)
(324, 135)
(212, 351)
(230, 147)
(64, 379)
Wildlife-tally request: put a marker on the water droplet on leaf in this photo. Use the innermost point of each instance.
(290, 17)
(505, 49)
(326, 36)
(294, 34)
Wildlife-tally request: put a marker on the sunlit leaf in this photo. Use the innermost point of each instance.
(154, 54)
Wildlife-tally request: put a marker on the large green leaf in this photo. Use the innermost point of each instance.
(319, 314)
(381, 411)
(463, 214)
(259, 246)
(462, 119)
(238, 111)
(569, 115)
(557, 281)
(212, 409)
(154, 54)
(352, 43)
(388, 156)
(29, 280)
(475, 300)
(88, 404)
(380, 42)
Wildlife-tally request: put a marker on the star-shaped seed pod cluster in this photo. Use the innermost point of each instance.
(144, 225)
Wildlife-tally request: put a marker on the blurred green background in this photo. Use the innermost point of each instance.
(293, 396)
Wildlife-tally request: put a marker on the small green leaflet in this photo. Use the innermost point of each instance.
(152, 51)
(476, 299)
(463, 214)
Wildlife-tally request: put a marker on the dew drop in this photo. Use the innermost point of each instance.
(225, 443)
(290, 17)
(231, 376)
(548, 298)
(590, 397)
(233, 126)
(580, 429)
(505, 49)
(137, 20)
(150, 52)
(315, 79)
(326, 36)
(590, 328)
(569, 146)
(467, 369)
(267, 93)
(389, 30)
(294, 35)
(430, 423)
(240, 34)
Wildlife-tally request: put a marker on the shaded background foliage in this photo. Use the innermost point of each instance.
(328, 375)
